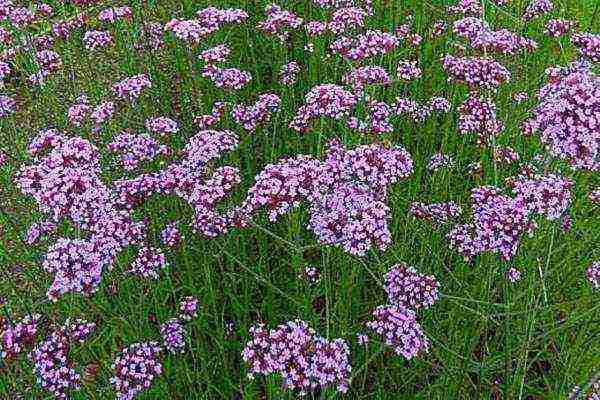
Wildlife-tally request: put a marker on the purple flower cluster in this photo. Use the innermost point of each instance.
(476, 72)
(346, 193)
(502, 41)
(536, 9)
(135, 149)
(208, 20)
(226, 78)
(547, 195)
(51, 366)
(399, 328)
(81, 110)
(350, 216)
(327, 100)
(188, 308)
(135, 369)
(37, 230)
(347, 19)
(593, 274)
(288, 72)
(14, 338)
(408, 288)
(148, 263)
(558, 27)
(279, 22)
(478, 115)
(258, 113)
(94, 40)
(164, 126)
(369, 44)
(173, 333)
(499, 222)
(419, 112)
(408, 70)
(566, 116)
(472, 8)
(304, 360)
(360, 77)
(377, 120)
(215, 54)
(513, 275)
(438, 213)
(130, 88)
(588, 45)
(111, 15)
(171, 236)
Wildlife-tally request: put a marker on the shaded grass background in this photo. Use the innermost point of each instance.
(535, 339)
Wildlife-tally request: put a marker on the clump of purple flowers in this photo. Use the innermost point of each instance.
(288, 72)
(366, 45)
(536, 9)
(408, 70)
(135, 368)
(215, 54)
(37, 230)
(114, 14)
(135, 149)
(304, 360)
(478, 115)
(559, 27)
(439, 160)
(484, 73)
(149, 262)
(94, 40)
(51, 366)
(327, 100)
(410, 289)
(588, 45)
(226, 78)
(565, 116)
(164, 126)
(13, 338)
(173, 333)
(360, 77)
(258, 113)
(513, 275)
(188, 308)
(547, 195)
(130, 88)
(7, 106)
(171, 236)
(499, 222)
(399, 329)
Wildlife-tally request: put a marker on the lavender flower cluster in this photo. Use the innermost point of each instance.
(410, 289)
(52, 369)
(304, 360)
(346, 193)
(566, 115)
(13, 338)
(135, 368)
(484, 73)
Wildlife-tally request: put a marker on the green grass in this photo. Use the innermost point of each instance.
(535, 339)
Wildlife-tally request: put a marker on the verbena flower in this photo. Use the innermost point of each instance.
(304, 360)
